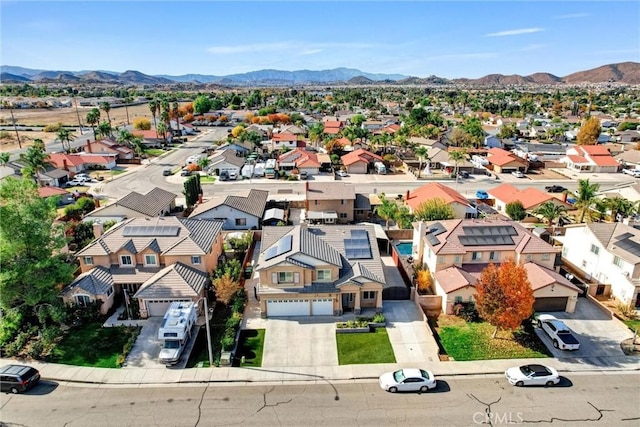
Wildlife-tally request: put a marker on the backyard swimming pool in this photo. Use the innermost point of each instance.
(404, 248)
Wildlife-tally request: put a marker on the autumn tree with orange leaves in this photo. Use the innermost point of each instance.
(504, 295)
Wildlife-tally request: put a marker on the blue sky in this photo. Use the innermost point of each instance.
(419, 38)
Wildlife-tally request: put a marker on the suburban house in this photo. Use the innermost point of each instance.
(590, 158)
(461, 206)
(504, 161)
(428, 143)
(606, 255)
(150, 138)
(333, 127)
(107, 146)
(52, 176)
(243, 211)
(629, 159)
(359, 161)
(329, 202)
(155, 260)
(319, 271)
(225, 161)
(66, 198)
(457, 250)
(76, 163)
(300, 159)
(294, 129)
(373, 125)
(284, 140)
(157, 202)
(239, 147)
(530, 197)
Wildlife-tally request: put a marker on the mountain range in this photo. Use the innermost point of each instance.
(625, 72)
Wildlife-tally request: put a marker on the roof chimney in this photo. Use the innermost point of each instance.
(98, 229)
(65, 165)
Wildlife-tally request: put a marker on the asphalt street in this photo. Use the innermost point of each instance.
(607, 400)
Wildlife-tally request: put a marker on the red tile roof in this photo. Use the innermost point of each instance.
(147, 134)
(594, 150)
(285, 136)
(432, 191)
(359, 155)
(331, 131)
(530, 197)
(49, 191)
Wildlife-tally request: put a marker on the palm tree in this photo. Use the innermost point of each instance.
(138, 146)
(176, 110)
(550, 212)
(422, 153)
(387, 210)
(125, 138)
(106, 107)
(620, 205)
(204, 162)
(153, 107)
(93, 118)
(315, 133)
(65, 135)
(4, 158)
(105, 129)
(585, 197)
(457, 156)
(35, 160)
(162, 130)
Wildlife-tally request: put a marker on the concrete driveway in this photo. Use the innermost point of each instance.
(411, 339)
(146, 349)
(300, 341)
(599, 336)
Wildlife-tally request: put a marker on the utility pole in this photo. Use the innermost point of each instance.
(78, 114)
(206, 318)
(13, 120)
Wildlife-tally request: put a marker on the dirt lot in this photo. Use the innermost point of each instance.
(66, 116)
(545, 174)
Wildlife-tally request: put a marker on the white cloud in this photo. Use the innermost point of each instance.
(572, 16)
(514, 32)
(311, 51)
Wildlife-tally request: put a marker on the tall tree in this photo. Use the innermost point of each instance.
(422, 153)
(4, 158)
(585, 198)
(550, 212)
(226, 288)
(504, 296)
(433, 210)
(192, 190)
(515, 210)
(31, 272)
(619, 205)
(106, 107)
(105, 130)
(65, 136)
(93, 118)
(387, 209)
(316, 131)
(589, 132)
(35, 161)
(153, 107)
(127, 100)
(457, 156)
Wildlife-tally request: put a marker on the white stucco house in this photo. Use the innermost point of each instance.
(607, 254)
(243, 211)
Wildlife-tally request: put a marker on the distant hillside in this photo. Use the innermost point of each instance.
(626, 72)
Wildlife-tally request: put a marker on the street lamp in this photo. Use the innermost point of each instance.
(206, 319)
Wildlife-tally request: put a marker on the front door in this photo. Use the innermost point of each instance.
(600, 290)
(347, 302)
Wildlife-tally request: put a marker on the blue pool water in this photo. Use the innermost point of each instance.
(404, 248)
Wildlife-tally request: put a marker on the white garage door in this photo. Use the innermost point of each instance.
(322, 307)
(292, 307)
(159, 307)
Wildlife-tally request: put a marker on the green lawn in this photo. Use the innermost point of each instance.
(92, 345)
(155, 152)
(251, 347)
(472, 341)
(206, 179)
(633, 324)
(364, 348)
(200, 353)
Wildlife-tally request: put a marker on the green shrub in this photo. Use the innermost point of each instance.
(239, 301)
(50, 334)
(52, 128)
(379, 318)
(227, 343)
(10, 325)
(36, 349)
(233, 322)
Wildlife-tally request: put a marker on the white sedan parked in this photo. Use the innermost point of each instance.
(410, 379)
(532, 375)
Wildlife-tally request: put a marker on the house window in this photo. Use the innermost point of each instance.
(315, 202)
(343, 215)
(285, 277)
(150, 260)
(241, 222)
(369, 295)
(324, 275)
(342, 201)
(195, 260)
(83, 300)
(440, 259)
(110, 291)
(476, 256)
(493, 256)
(457, 300)
(528, 257)
(546, 257)
(618, 262)
(88, 260)
(458, 259)
(125, 260)
(595, 249)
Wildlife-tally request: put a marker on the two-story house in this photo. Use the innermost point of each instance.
(607, 255)
(242, 211)
(284, 140)
(319, 271)
(154, 260)
(329, 202)
(456, 251)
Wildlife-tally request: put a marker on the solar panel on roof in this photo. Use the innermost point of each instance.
(358, 247)
(151, 230)
(624, 236)
(283, 246)
(485, 240)
(630, 246)
(491, 230)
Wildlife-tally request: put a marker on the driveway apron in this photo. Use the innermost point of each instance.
(300, 341)
(410, 336)
(146, 349)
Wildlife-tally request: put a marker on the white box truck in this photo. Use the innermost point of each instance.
(175, 330)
